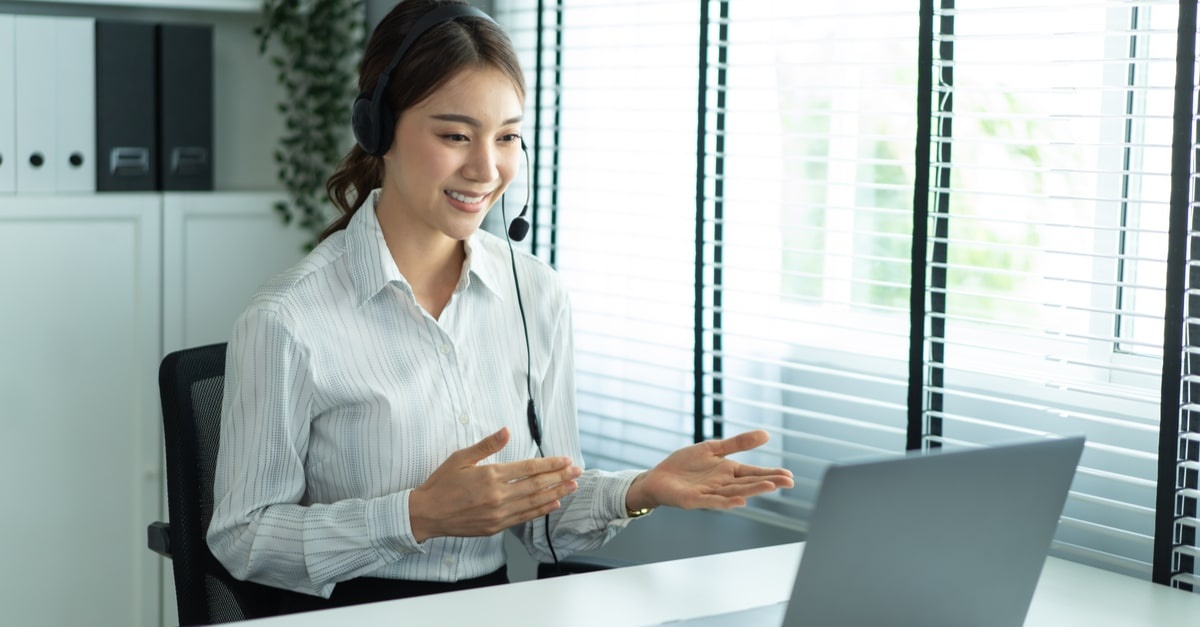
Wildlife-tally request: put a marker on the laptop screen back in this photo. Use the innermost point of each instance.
(943, 538)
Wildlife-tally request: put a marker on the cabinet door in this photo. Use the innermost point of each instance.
(80, 338)
(217, 249)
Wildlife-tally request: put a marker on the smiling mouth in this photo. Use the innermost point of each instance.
(470, 200)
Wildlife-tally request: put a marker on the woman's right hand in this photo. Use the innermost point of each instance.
(463, 498)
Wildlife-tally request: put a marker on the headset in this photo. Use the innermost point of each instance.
(374, 126)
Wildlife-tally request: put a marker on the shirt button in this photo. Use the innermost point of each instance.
(463, 418)
(444, 349)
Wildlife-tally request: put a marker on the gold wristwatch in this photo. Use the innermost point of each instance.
(636, 513)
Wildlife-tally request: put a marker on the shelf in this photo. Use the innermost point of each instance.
(230, 6)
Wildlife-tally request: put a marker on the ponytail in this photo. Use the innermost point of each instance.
(350, 186)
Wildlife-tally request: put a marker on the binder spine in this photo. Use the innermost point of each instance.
(36, 91)
(75, 105)
(126, 107)
(185, 107)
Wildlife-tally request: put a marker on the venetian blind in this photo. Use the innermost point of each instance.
(731, 194)
(1176, 546)
(1046, 247)
(615, 209)
(729, 190)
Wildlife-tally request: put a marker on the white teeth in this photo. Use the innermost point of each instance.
(470, 200)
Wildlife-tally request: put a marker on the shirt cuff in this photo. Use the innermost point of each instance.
(612, 489)
(389, 527)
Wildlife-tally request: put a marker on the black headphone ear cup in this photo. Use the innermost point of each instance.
(366, 131)
(373, 126)
(385, 129)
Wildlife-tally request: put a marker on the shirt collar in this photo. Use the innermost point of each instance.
(484, 263)
(372, 267)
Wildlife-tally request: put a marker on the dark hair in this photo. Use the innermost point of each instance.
(434, 58)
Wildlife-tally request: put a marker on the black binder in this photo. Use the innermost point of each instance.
(185, 106)
(126, 138)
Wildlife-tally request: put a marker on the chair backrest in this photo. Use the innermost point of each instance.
(191, 383)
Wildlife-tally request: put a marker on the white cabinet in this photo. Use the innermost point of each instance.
(94, 290)
(79, 458)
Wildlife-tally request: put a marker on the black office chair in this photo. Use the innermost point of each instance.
(191, 383)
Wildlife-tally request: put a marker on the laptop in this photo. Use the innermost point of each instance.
(951, 537)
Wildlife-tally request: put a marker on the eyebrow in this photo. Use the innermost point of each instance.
(466, 119)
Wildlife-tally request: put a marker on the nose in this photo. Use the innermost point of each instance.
(482, 163)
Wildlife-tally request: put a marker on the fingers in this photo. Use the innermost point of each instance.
(746, 470)
(740, 442)
(515, 471)
(746, 489)
(548, 497)
(511, 471)
(713, 501)
(484, 448)
(535, 497)
(780, 477)
(730, 496)
(735, 491)
(542, 481)
(536, 511)
(515, 510)
(472, 502)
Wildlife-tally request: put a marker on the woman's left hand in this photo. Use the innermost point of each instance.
(700, 476)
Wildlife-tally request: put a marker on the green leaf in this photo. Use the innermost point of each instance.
(317, 48)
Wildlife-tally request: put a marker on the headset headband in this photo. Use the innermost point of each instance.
(426, 22)
(371, 117)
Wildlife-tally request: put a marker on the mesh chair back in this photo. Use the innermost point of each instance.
(191, 383)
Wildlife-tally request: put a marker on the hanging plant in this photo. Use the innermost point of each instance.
(315, 53)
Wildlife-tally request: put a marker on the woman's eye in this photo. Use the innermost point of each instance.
(455, 137)
(511, 137)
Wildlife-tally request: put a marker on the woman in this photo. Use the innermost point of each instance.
(374, 435)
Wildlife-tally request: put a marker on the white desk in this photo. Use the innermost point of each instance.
(1067, 594)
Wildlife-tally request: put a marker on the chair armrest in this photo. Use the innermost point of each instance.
(579, 564)
(158, 538)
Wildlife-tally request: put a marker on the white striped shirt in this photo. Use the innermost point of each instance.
(342, 395)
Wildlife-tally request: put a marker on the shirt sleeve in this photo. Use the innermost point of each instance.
(262, 529)
(595, 512)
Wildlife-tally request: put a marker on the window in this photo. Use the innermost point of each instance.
(730, 191)
(1148, 106)
(1033, 284)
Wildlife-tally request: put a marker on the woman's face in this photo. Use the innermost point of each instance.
(454, 154)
